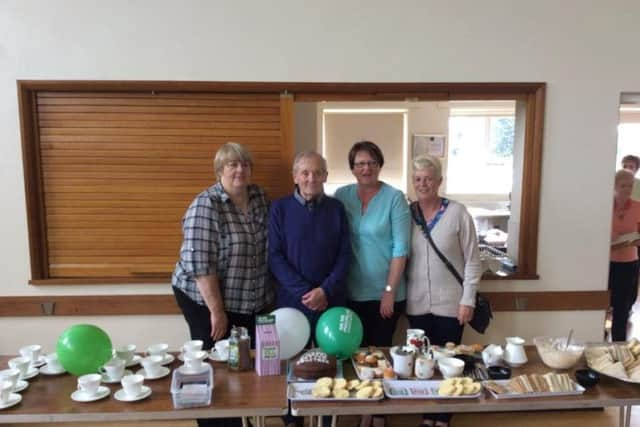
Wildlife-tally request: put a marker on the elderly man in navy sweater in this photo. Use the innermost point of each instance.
(309, 245)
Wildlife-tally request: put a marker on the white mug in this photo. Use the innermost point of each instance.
(152, 365)
(222, 349)
(402, 361)
(5, 391)
(52, 362)
(89, 383)
(424, 367)
(192, 346)
(21, 364)
(132, 384)
(158, 350)
(126, 352)
(114, 369)
(10, 375)
(31, 352)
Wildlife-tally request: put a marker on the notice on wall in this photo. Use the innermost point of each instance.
(433, 145)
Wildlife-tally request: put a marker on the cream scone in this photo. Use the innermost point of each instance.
(339, 383)
(324, 381)
(321, 391)
(340, 393)
(364, 392)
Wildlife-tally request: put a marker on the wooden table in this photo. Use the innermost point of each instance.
(608, 392)
(235, 394)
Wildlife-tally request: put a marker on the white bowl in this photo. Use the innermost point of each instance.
(553, 353)
(450, 367)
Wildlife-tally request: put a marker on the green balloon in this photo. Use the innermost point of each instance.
(339, 332)
(83, 349)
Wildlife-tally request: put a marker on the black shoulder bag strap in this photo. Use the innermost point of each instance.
(419, 219)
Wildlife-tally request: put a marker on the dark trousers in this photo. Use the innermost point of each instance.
(623, 287)
(440, 330)
(198, 318)
(377, 331)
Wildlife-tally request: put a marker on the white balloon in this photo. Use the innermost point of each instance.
(293, 331)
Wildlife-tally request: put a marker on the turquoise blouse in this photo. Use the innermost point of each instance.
(382, 233)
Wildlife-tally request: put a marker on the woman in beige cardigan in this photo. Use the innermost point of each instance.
(436, 302)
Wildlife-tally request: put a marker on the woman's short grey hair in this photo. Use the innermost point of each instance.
(230, 152)
(624, 175)
(308, 154)
(425, 161)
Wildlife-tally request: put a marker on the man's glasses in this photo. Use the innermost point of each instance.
(370, 163)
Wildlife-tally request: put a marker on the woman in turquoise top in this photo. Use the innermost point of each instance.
(379, 219)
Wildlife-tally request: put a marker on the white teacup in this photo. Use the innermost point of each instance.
(450, 367)
(52, 362)
(152, 365)
(21, 364)
(132, 384)
(31, 352)
(222, 349)
(492, 355)
(192, 346)
(193, 361)
(10, 375)
(5, 391)
(158, 350)
(114, 369)
(89, 383)
(126, 352)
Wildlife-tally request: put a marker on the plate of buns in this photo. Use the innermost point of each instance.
(336, 389)
(371, 363)
(534, 385)
(617, 360)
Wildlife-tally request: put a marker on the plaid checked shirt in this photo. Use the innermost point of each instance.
(220, 240)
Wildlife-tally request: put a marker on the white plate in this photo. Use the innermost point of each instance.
(578, 390)
(108, 380)
(124, 397)
(168, 358)
(134, 361)
(81, 396)
(31, 372)
(20, 385)
(216, 357)
(14, 399)
(419, 389)
(302, 391)
(46, 370)
(164, 371)
(40, 362)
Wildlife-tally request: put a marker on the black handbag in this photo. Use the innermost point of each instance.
(482, 314)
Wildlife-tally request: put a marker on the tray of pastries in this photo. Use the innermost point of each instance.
(450, 388)
(534, 385)
(336, 389)
(617, 360)
(370, 363)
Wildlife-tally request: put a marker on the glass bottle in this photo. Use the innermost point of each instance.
(244, 350)
(234, 349)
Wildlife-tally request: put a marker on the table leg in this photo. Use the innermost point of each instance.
(334, 421)
(621, 418)
(627, 420)
(245, 423)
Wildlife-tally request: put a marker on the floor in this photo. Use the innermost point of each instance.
(588, 418)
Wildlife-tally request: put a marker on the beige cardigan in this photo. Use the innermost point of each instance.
(431, 288)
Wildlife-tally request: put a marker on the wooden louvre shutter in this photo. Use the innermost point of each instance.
(119, 170)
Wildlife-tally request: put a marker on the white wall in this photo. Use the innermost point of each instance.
(584, 49)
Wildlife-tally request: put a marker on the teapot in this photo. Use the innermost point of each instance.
(402, 357)
(514, 353)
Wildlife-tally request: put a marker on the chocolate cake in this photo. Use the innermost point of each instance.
(314, 364)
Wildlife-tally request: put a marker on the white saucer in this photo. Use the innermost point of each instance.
(134, 361)
(184, 370)
(108, 380)
(14, 399)
(46, 370)
(168, 358)
(31, 372)
(216, 358)
(20, 385)
(181, 357)
(40, 362)
(81, 396)
(164, 371)
(124, 397)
